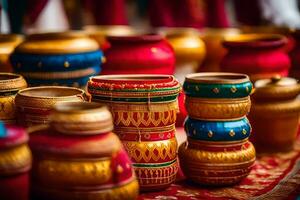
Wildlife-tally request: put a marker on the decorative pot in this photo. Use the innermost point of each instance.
(139, 54)
(65, 58)
(75, 162)
(223, 97)
(216, 163)
(258, 55)
(275, 114)
(99, 33)
(34, 104)
(8, 43)
(15, 163)
(213, 38)
(217, 152)
(10, 84)
(144, 111)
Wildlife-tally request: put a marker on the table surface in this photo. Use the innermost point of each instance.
(274, 176)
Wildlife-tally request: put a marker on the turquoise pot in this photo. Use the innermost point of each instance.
(217, 85)
(218, 130)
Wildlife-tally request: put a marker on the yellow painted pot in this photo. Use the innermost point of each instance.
(10, 84)
(8, 43)
(275, 114)
(216, 163)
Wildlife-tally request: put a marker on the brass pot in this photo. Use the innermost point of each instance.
(10, 84)
(188, 47)
(213, 38)
(99, 33)
(8, 43)
(275, 113)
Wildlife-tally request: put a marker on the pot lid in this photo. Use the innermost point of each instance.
(11, 136)
(276, 88)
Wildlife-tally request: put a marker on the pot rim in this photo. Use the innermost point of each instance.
(217, 77)
(134, 78)
(11, 81)
(136, 38)
(261, 40)
(59, 35)
(27, 92)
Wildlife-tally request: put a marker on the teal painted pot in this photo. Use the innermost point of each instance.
(217, 85)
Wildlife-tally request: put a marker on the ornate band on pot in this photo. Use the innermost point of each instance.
(217, 109)
(151, 152)
(218, 130)
(217, 85)
(143, 115)
(10, 84)
(157, 175)
(81, 118)
(55, 63)
(146, 135)
(34, 104)
(134, 88)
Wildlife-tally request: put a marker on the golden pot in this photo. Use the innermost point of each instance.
(35, 104)
(10, 84)
(95, 120)
(99, 33)
(216, 163)
(275, 114)
(8, 42)
(215, 51)
(57, 43)
(189, 49)
(79, 165)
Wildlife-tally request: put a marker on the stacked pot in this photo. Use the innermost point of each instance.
(217, 151)
(78, 157)
(10, 84)
(34, 105)
(15, 163)
(63, 58)
(144, 111)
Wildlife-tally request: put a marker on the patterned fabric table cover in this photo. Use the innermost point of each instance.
(273, 177)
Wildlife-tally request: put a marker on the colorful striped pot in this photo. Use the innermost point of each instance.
(80, 165)
(65, 58)
(144, 111)
(15, 163)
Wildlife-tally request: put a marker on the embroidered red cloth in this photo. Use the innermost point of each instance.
(274, 176)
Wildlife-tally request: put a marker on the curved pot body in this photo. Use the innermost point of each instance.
(34, 105)
(275, 114)
(8, 43)
(15, 163)
(66, 58)
(73, 162)
(144, 111)
(10, 84)
(216, 163)
(258, 55)
(141, 54)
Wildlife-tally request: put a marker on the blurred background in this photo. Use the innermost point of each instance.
(24, 16)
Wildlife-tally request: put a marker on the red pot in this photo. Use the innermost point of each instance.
(258, 55)
(295, 56)
(15, 162)
(140, 54)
